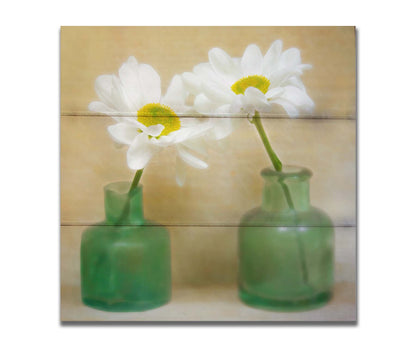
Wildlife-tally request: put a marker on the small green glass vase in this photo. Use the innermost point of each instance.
(286, 246)
(125, 260)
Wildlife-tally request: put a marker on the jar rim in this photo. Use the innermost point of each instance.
(120, 187)
(288, 171)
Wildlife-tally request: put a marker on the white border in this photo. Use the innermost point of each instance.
(30, 147)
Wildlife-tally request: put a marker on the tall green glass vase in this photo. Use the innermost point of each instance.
(125, 260)
(286, 246)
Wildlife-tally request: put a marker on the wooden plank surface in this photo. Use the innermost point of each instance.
(89, 160)
(202, 216)
(87, 52)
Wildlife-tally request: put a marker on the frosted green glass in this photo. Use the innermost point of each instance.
(286, 255)
(125, 260)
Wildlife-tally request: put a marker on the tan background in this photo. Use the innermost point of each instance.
(87, 52)
(205, 212)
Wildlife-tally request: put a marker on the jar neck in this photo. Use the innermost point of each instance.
(285, 188)
(122, 207)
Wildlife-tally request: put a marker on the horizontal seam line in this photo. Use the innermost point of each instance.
(206, 225)
(303, 117)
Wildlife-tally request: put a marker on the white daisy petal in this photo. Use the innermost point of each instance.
(103, 86)
(294, 101)
(176, 94)
(196, 145)
(222, 128)
(154, 130)
(204, 105)
(150, 84)
(180, 171)
(237, 105)
(100, 107)
(273, 93)
(134, 123)
(290, 109)
(181, 110)
(174, 137)
(185, 134)
(140, 152)
(305, 67)
(190, 159)
(272, 56)
(129, 76)
(252, 61)
(295, 81)
(119, 97)
(223, 64)
(123, 133)
(255, 97)
(188, 122)
(224, 110)
(298, 97)
(217, 93)
(255, 100)
(279, 77)
(191, 83)
(290, 58)
(205, 71)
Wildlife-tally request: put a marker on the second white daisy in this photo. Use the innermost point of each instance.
(227, 86)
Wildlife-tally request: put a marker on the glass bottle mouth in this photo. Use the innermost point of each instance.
(120, 188)
(122, 207)
(288, 172)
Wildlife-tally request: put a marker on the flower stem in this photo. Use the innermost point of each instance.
(136, 180)
(277, 164)
(126, 208)
(273, 156)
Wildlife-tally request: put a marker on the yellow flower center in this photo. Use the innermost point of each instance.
(153, 114)
(256, 81)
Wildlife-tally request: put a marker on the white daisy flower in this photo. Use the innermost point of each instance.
(241, 86)
(148, 122)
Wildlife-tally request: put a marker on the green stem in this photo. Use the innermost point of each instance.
(277, 164)
(287, 195)
(133, 185)
(136, 180)
(273, 156)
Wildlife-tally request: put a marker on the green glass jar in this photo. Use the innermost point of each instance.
(125, 260)
(286, 246)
